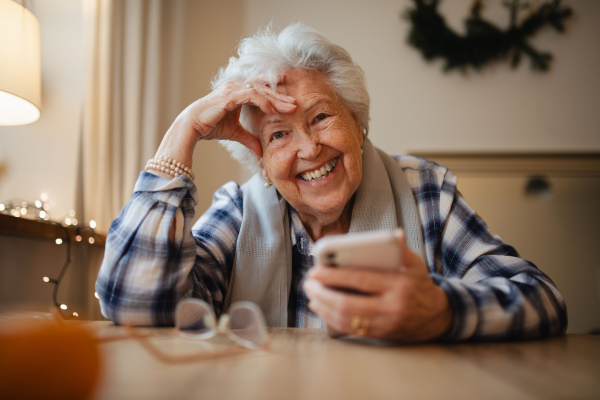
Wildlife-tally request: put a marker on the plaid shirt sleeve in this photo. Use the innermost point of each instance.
(153, 257)
(493, 292)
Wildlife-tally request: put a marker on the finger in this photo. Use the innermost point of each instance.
(341, 324)
(251, 96)
(344, 303)
(279, 101)
(278, 96)
(260, 83)
(371, 282)
(331, 318)
(244, 137)
(409, 259)
(253, 92)
(251, 142)
(281, 106)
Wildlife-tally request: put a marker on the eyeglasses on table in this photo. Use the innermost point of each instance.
(195, 319)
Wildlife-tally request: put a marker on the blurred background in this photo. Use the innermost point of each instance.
(115, 74)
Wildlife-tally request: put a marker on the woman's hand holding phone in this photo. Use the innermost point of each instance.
(402, 303)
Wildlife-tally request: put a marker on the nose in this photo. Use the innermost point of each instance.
(309, 146)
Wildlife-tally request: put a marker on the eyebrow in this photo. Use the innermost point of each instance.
(272, 121)
(320, 100)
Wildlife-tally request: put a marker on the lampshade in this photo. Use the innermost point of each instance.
(20, 76)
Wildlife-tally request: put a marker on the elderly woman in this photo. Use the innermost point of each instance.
(295, 108)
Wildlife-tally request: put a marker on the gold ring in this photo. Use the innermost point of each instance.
(360, 325)
(249, 86)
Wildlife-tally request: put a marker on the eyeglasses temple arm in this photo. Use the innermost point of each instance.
(170, 359)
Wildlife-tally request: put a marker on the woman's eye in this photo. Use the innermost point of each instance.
(321, 117)
(278, 135)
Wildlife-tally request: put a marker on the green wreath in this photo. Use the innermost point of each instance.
(483, 42)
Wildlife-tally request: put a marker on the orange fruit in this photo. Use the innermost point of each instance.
(45, 360)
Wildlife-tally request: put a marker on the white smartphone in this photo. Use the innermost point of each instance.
(379, 249)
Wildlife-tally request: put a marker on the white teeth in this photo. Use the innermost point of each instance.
(321, 173)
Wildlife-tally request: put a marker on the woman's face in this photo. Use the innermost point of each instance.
(313, 155)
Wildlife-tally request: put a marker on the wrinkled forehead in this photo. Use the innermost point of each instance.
(307, 87)
(299, 81)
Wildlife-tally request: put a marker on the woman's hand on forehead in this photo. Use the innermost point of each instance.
(217, 116)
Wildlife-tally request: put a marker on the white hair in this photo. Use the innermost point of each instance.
(297, 46)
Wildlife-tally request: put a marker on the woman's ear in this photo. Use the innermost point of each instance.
(265, 174)
(361, 137)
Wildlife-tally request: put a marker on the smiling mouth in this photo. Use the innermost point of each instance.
(321, 173)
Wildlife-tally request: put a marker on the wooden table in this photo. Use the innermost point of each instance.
(306, 364)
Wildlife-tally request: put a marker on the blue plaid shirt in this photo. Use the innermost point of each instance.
(154, 257)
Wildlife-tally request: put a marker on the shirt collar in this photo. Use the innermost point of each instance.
(300, 237)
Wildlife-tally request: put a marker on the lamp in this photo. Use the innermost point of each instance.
(20, 76)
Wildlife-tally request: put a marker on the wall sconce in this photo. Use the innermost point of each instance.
(20, 71)
(538, 187)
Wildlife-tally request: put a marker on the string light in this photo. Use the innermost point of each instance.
(38, 209)
(19, 207)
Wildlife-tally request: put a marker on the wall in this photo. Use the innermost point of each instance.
(558, 234)
(42, 157)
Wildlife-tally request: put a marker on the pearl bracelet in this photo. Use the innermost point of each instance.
(169, 166)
